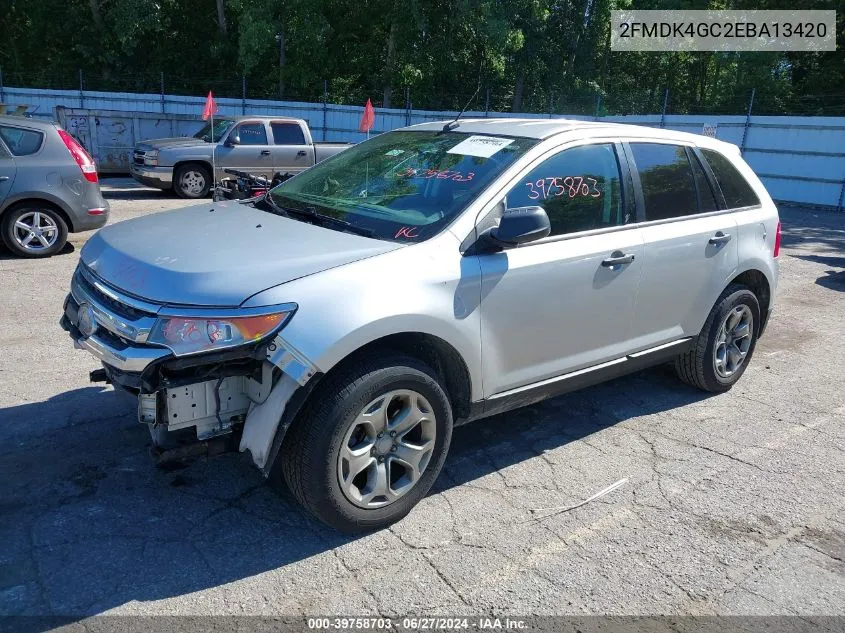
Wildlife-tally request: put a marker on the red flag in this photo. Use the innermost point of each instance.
(210, 108)
(368, 118)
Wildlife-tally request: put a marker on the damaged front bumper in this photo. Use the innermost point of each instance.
(244, 390)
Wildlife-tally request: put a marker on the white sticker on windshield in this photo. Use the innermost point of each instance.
(394, 152)
(481, 146)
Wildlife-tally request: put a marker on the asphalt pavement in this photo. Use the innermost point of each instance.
(733, 503)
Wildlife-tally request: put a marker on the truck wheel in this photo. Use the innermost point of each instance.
(192, 180)
(33, 229)
(370, 444)
(724, 347)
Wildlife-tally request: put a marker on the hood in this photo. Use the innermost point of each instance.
(217, 254)
(168, 143)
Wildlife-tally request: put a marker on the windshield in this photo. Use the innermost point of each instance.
(221, 126)
(404, 186)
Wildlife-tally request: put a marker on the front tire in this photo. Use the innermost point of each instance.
(192, 181)
(723, 349)
(370, 443)
(33, 229)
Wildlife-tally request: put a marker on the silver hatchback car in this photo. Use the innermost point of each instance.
(431, 276)
(48, 187)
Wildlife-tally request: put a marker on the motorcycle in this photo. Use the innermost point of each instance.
(245, 187)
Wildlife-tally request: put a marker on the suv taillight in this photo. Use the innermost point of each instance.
(777, 241)
(85, 162)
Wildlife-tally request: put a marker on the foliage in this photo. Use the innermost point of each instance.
(528, 55)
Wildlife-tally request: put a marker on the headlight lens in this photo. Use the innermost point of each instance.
(190, 335)
(151, 158)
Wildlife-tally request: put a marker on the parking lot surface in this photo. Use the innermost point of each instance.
(733, 503)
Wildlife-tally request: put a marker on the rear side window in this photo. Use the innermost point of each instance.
(287, 134)
(252, 134)
(579, 188)
(737, 191)
(21, 142)
(667, 180)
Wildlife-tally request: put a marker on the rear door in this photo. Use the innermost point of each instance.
(291, 151)
(251, 152)
(7, 171)
(690, 243)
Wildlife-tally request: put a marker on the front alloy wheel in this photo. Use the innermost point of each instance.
(387, 449)
(369, 443)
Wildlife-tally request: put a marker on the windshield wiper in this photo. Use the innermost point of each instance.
(321, 219)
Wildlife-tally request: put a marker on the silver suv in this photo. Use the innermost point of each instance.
(428, 277)
(48, 187)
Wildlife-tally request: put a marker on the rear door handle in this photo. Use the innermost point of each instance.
(720, 238)
(617, 258)
(300, 153)
(265, 152)
(4, 178)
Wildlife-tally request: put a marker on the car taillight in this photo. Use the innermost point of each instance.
(85, 162)
(777, 241)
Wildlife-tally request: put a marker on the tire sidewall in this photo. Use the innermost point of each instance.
(375, 384)
(177, 177)
(8, 222)
(728, 303)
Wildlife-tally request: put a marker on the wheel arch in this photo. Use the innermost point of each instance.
(189, 161)
(430, 349)
(41, 198)
(758, 283)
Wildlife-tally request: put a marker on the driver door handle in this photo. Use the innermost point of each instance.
(4, 178)
(300, 153)
(617, 258)
(265, 152)
(720, 238)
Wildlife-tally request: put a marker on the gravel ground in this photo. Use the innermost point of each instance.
(733, 503)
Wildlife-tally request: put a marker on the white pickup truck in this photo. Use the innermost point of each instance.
(259, 145)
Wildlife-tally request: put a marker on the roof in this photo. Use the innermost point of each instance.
(544, 128)
(17, 119)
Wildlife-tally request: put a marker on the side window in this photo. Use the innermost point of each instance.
(287, 134)
(4, 153)
(21, 142)
(579, 188)
(667, 180)
(706, 199)
(737, 191)
(252, 134)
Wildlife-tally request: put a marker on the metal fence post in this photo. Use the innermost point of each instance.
(243, 94)
(2, 94)
(162, 92)
(551, 101)
(598, 106)
(748, 123)
(665, 103)
(841, 205)
(81, 93)
(325, 108)
(407, 105)
(487, 104)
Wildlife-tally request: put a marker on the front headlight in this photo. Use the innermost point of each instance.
(151, 158)
(191, 335)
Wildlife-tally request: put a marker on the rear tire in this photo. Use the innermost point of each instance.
(723, 349)
(33, 229)
(336, 451)
(192, 181)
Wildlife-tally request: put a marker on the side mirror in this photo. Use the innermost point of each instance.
(232, 141)
(521, 225)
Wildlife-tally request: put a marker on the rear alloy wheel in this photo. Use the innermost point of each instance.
(723, 349)
(31, 230)
(370, 443)
(192, 181)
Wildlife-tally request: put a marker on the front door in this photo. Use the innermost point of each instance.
(563, 303)
(7, 172)
(248, 149)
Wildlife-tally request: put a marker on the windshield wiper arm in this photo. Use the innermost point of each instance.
(322, 219)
